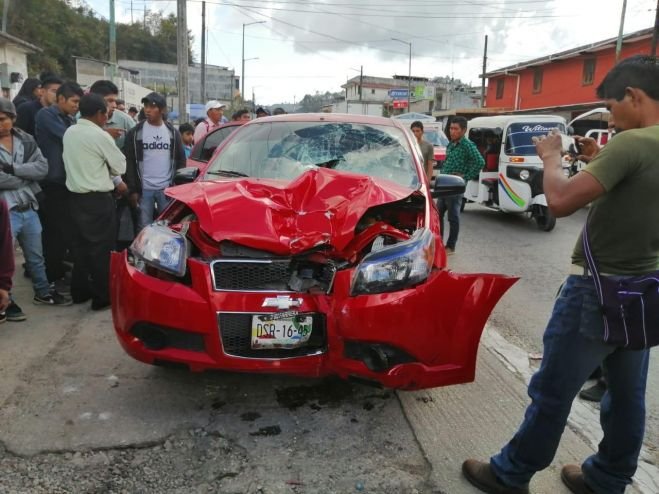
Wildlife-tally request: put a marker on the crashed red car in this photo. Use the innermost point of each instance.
(310, 247)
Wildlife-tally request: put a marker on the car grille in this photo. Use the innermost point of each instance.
(235, 333)
(253, 275)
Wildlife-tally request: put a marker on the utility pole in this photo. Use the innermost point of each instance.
(113, 42)
(409, 81)
(5, 12)
(182, 59)
(409, 73)
(622, 28)
(144, 18)
(242, 72)
(361, 81)
(203, 52)
(655, 34)
(484, 70)
(131, 12)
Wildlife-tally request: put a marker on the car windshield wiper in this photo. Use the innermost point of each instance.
(227, 173)
(330, 163)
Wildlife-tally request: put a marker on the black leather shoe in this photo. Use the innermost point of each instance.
(595, 392)
(572, 477)
(480, 475)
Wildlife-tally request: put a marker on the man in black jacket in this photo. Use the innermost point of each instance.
(154, 151)
(26, 112)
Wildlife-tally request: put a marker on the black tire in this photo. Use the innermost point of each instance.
(464, 203)
(544, 219)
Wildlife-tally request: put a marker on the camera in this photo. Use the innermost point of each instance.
(575, 148)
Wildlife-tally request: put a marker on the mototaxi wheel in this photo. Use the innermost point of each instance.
(544, 219)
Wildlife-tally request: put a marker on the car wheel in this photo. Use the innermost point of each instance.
(464, 203)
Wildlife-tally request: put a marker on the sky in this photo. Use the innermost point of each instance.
(305, 46)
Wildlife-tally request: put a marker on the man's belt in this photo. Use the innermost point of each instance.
(22, 208)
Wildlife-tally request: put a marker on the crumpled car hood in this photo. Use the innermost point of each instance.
(320, 207)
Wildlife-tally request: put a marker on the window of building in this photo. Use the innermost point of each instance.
(537, 80)
(500, 86)
(588, 71)
(372, 91)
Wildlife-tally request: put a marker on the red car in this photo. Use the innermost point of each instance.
(203, 150)
(434, 134)
(310, 247)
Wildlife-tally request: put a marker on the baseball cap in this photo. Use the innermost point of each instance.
(7, 107)
(214, 104)
(156, 99)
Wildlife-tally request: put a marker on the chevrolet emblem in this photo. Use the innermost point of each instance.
(282, 302)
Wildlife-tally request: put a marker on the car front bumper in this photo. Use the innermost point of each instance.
(416, 338)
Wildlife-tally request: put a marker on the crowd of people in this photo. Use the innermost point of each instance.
(80, 175)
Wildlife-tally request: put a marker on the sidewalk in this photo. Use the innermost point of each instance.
(475, 420)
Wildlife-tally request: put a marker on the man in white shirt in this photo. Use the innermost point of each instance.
(154, 151)
(214, 118)
(91, 160)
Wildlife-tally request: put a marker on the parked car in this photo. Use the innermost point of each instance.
(203, 150)
(310, 246)
(433, 133)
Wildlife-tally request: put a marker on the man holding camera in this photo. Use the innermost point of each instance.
(620, 181)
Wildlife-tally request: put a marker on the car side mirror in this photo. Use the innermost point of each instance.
(186, 175)
(570, 130)
(447, 185)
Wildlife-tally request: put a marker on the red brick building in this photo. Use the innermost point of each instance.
(561, 82)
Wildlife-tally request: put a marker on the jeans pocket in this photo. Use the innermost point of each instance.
(592, 321)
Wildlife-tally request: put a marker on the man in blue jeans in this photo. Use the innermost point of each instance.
(620, 181)
(21, 166)
(463, 160)
(154, 151)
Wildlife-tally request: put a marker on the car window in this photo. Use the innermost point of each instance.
(436, 137)
(210, 142)
(283, 150)
(519, 136)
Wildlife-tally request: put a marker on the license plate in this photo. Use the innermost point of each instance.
(285, 333)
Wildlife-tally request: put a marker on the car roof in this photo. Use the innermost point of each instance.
(329, 117)
(503, 120)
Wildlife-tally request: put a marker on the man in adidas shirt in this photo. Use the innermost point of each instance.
(154, 151)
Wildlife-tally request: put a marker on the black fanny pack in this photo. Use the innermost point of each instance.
(630, 305)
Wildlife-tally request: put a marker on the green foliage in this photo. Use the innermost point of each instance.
(64, 31)
(314, 103)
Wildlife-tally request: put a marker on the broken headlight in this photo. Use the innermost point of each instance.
(162, 248)
(397, 266)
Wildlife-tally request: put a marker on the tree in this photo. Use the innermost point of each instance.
(314, 103)
(64, 31)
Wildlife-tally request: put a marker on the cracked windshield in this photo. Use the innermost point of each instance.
(284, 151)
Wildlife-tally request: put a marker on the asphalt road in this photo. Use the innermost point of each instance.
(78, 415)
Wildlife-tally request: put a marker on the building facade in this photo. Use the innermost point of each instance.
(427, 95)
(221, 83)
(13, 63)
(563, 82)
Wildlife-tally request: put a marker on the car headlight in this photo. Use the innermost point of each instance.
(162, 248)
(397, 266)
(524, 175)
